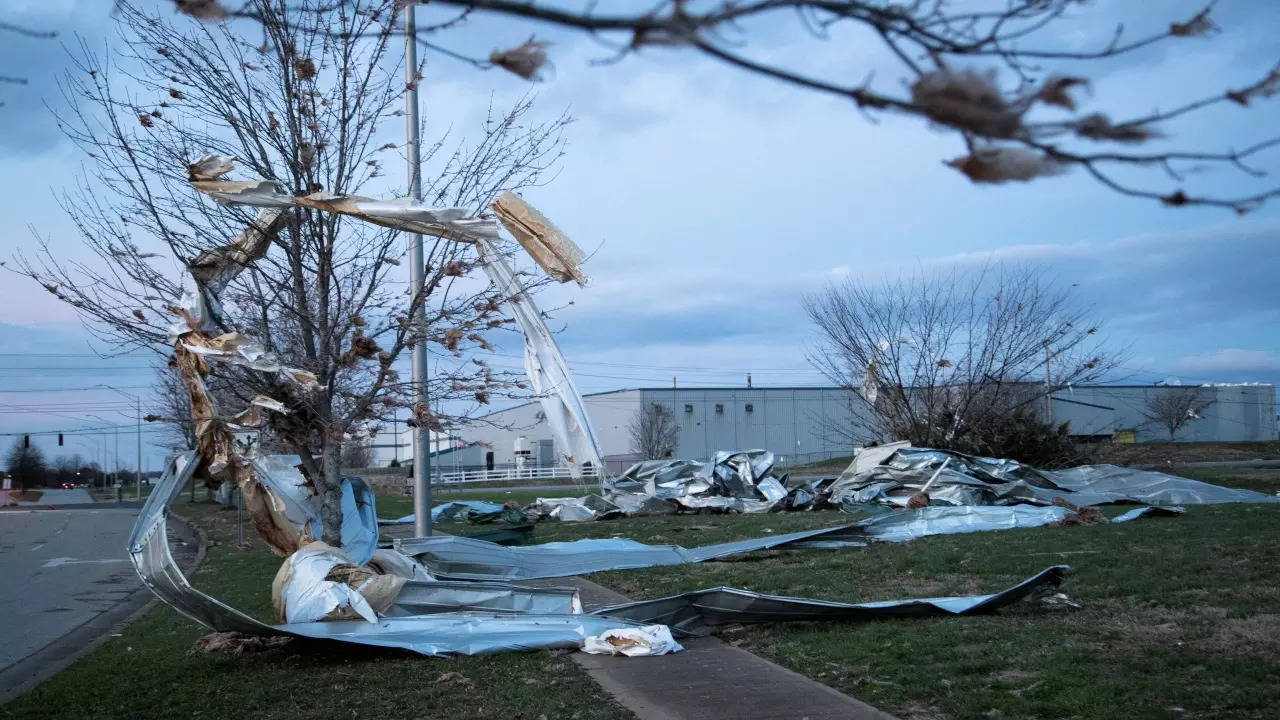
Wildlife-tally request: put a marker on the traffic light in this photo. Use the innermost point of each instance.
(59, 439)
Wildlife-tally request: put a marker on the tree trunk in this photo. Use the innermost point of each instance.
(329, 484)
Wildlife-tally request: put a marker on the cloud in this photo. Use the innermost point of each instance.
(1231, 361)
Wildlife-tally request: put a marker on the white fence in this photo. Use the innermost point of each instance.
(529, 475)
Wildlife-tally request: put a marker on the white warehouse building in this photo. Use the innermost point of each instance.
(795, 422)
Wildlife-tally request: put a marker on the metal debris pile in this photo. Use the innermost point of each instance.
(879, 479)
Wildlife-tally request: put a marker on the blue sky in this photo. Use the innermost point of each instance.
(713, 201)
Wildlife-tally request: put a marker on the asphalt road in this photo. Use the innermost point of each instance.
(58, 496)
(62, 568)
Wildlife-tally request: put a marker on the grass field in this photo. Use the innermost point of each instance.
(1178, 620)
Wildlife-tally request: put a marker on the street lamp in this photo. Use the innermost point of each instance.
(115, 455)
(137, 402)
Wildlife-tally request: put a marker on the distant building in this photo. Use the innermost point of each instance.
(795, 422)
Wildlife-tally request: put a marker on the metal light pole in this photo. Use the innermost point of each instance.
(137, 403)
(115, 455)
(422, 435)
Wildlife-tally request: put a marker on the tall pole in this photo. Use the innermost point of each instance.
(138, 478)
(421, 435)
(1048, 387)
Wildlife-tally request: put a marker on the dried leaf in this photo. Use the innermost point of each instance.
(139, 314)
(997, 165)
(525, 61)
(1201, 25)
(1054, 91)
(968, 100)
(1264, 88)
(944, 363)
(146, 120)
(176, 94)
(305, 69)
(1099, 127)
(201, 9)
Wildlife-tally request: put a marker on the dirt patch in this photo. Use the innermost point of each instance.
(1256, 637)
(920, 711)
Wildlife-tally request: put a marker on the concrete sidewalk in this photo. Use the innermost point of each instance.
(709, 680)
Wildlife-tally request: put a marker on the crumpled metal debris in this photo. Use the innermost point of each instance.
(642, 641)
(700, 612)
(892, 474)
(575, 509)
(733, 481)
(305, 589)
(432, 618)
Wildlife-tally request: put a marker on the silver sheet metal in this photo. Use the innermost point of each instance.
(471, 559)
(701, 611)
(445, 618)
(968, 480)
(503, 627)
(464, 558)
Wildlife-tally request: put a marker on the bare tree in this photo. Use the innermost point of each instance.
(356, 453)
(958, 360)
(301, 104)
(948, 54)
(654, 432)
(171, 406)
(1173, 408)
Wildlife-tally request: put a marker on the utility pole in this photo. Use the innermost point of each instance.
(422, 434)
(138, 478)
(1048, 387)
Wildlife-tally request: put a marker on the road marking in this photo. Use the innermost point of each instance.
(59, 561)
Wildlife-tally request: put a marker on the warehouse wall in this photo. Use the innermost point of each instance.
(794, 422)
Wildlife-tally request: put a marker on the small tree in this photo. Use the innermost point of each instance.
(356, 453)
(26, 465)
(1173, 408)
(172, 408)
(654, 432)
(306, 101)
(961, 361)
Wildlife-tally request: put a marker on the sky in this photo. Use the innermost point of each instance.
(712, 201)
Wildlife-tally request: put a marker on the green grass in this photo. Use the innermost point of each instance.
(1178, 613)
(148, 673)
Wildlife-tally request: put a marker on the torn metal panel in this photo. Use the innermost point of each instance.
(700, 612)
(400, 214)
(424, 598)
(912, 524)
(555, 253)
(471, 559)
(295, 508)
(1149, 511)
(548, 374)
